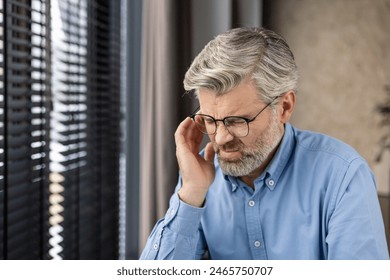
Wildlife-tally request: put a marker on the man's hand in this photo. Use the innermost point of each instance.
(197, 172)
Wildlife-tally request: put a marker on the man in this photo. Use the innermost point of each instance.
(262, 189)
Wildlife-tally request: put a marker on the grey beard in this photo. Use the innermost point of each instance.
(255, 157)
(247, 163)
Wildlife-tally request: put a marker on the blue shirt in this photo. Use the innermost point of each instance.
(315, 200)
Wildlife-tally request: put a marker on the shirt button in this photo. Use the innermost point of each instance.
(172, 212)
(257, 244)
(155, 246)
(251, 203)
(271, 182)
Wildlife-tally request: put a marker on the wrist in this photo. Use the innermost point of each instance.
(192, 197)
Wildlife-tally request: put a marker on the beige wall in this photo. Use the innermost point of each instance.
(342, 48)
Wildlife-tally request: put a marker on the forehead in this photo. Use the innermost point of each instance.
(237, 101)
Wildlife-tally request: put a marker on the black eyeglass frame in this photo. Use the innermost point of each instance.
(193, 115)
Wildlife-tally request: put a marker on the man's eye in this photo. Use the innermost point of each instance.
(208, 120)
(234, 121)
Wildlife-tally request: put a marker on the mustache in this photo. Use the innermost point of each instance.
(230, 146)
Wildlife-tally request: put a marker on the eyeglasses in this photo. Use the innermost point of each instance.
(237, 126)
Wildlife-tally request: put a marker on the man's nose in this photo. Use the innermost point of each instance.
(222, 135)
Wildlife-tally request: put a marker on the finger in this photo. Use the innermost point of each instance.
(209, 152)
(188, 134)
(181, 131)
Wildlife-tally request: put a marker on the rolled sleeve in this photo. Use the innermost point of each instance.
(183, 218)
(177, 235)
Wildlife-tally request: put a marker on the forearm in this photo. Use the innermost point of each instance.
(177, 235)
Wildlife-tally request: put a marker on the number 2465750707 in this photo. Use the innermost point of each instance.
(241, 270)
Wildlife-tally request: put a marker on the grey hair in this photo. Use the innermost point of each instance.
(230, 58)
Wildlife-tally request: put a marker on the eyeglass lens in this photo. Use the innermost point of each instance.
(236, 126)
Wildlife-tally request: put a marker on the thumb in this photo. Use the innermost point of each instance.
(209, 152)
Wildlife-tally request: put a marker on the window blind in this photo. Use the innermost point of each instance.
(25, 134)
(85, 129)
(2, 205)
(69, 168)
(59, 129)
(104, 114)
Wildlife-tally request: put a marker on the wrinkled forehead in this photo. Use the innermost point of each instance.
(238, 101)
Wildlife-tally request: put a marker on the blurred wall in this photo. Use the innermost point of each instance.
(342, 51)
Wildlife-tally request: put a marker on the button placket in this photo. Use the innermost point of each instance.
(252, 212)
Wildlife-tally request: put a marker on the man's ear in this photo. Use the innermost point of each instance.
(286, 107)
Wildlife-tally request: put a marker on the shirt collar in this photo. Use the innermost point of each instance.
(275, 168)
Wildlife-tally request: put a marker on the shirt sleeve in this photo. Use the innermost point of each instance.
(178, 235)
(355, 228)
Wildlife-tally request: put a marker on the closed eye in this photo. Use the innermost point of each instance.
(235, 121)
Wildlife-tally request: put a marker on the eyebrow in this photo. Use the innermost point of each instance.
(244, 115)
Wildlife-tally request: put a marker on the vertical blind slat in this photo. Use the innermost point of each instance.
(2, 205)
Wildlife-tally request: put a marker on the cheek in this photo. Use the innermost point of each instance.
(248, 141)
